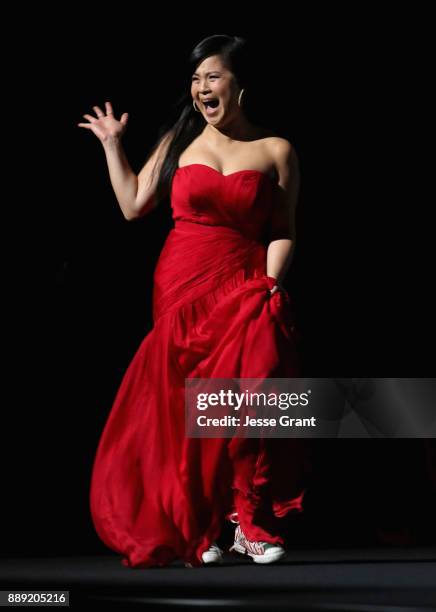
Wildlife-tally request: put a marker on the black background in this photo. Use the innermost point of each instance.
(350, 92)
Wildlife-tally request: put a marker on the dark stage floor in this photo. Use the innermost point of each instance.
(394, 579)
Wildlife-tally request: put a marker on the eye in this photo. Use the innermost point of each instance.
(215, 76)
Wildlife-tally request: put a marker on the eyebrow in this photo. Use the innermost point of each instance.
(210, 71)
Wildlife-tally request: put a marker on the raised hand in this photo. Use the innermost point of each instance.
(105, 126)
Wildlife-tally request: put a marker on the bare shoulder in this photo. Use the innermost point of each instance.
(283, 156)
(281, 149)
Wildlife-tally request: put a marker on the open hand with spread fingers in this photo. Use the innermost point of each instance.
(105, 126)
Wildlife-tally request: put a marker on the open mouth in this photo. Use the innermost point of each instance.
(211, 106)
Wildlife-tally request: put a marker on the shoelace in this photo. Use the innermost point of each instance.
(256, 547)
(215, 548)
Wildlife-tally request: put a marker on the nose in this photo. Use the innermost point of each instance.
(203, 88)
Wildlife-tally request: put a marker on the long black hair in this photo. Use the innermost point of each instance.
(235, 52)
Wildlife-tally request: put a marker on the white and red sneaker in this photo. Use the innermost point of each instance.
(260, 552)
(214, 554)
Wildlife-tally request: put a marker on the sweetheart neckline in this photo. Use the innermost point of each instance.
(227, 175)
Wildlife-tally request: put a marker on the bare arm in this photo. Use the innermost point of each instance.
(283, 230)
(148, 177)
(135, 194)
(124, 180)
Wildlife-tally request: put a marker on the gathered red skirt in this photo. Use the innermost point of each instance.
(157, 495)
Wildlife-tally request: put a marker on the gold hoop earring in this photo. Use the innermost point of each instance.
(239, 99)
(195, 108)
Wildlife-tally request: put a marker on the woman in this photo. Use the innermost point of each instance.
(219, 311)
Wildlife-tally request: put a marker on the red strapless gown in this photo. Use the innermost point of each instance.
(155, 495)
